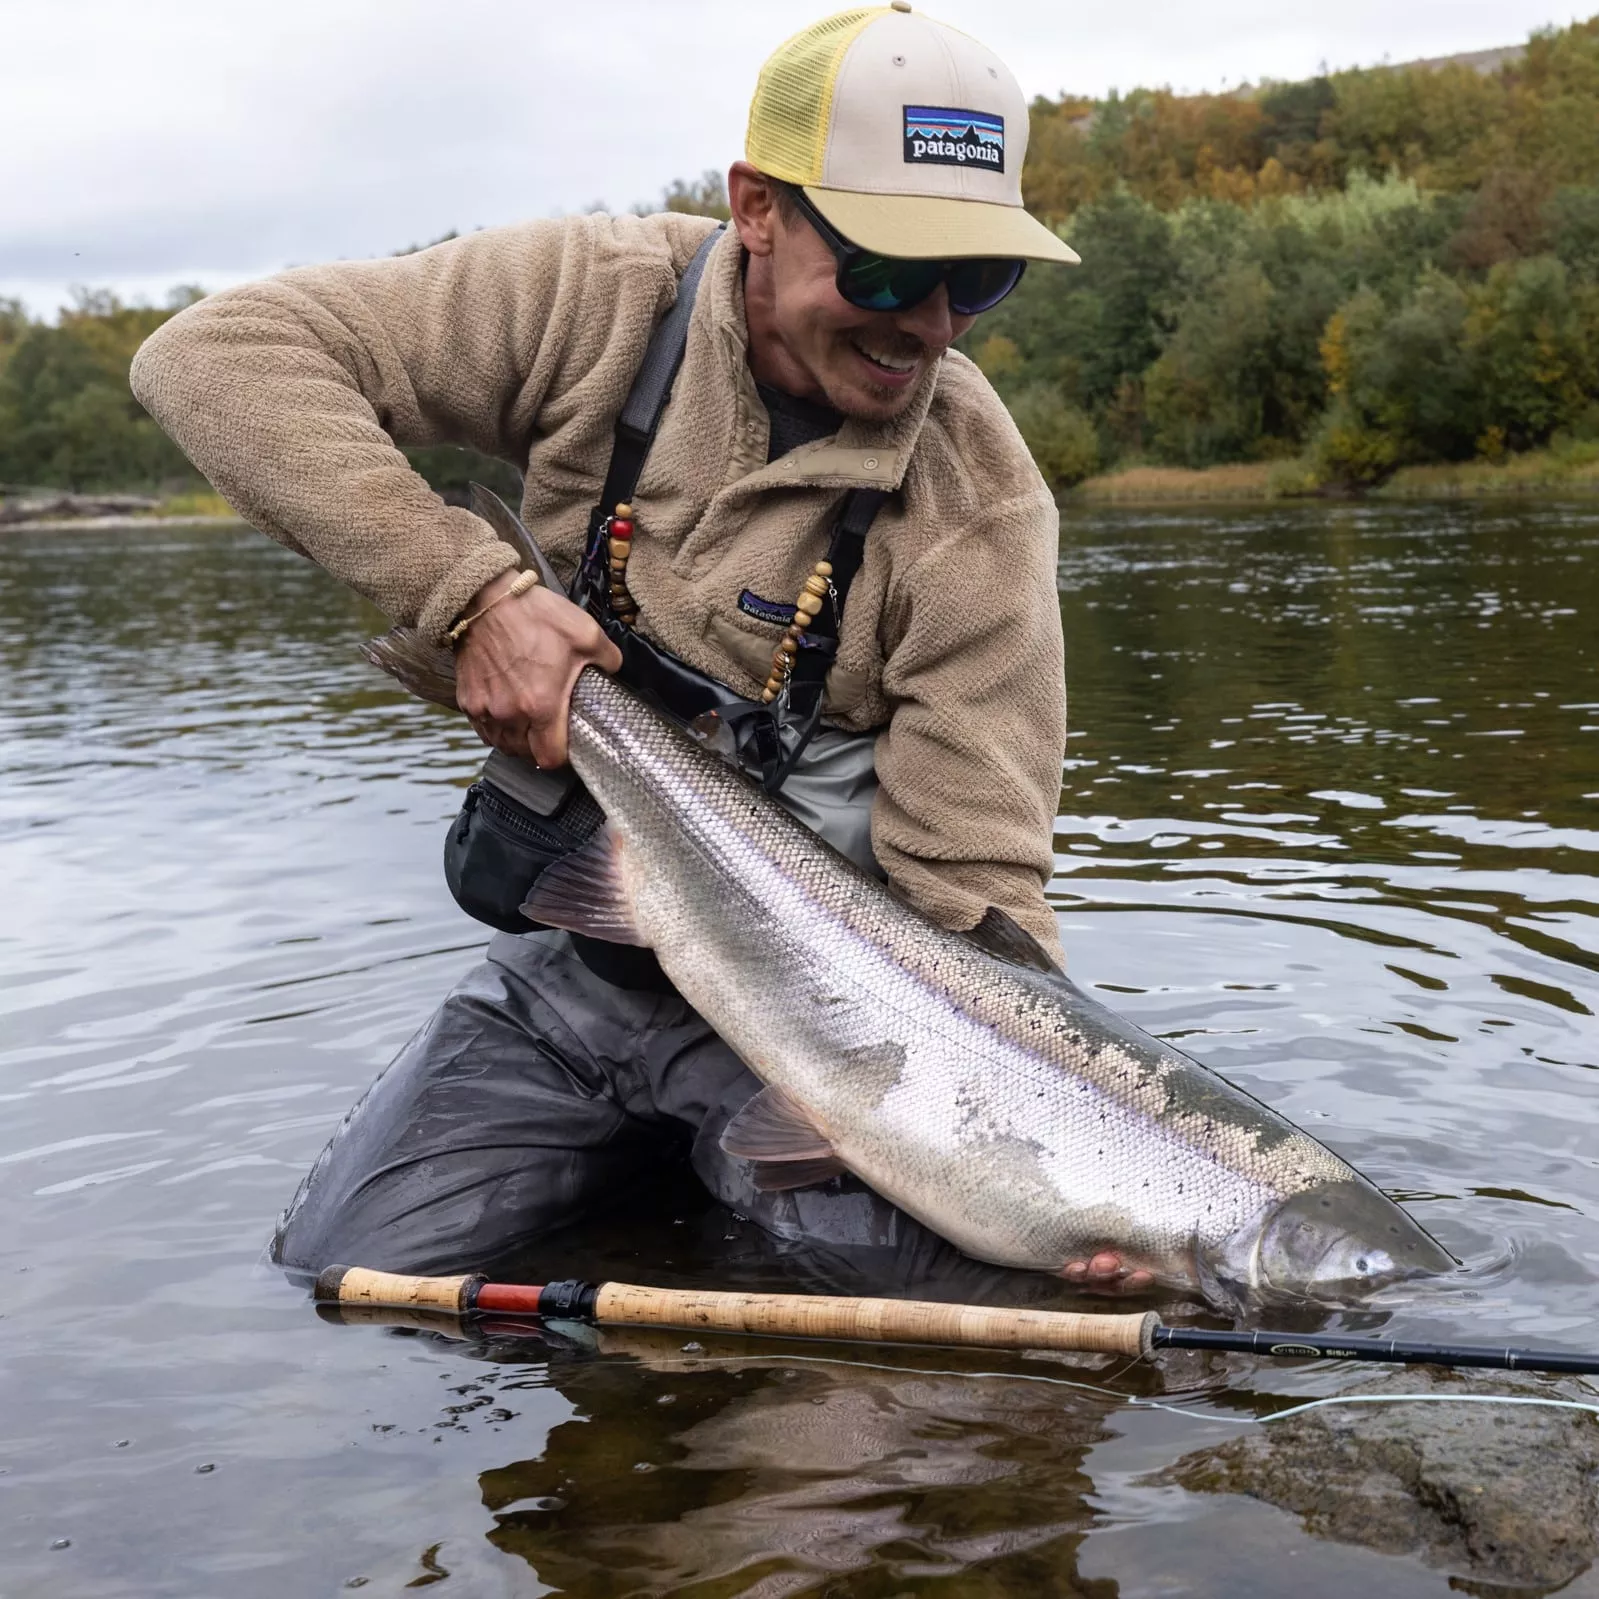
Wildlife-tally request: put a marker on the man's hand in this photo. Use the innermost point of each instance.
(515, 669)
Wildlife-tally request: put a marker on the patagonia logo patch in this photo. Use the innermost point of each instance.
(751, 604)
(945, 137)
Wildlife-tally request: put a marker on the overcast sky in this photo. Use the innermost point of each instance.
(146, 143)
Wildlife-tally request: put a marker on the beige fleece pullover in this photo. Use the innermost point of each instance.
(291, 396)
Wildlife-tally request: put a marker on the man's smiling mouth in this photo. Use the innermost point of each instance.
(890, 365)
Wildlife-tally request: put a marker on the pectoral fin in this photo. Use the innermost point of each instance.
(775, 1126)
(774, 1177)
(587, 892)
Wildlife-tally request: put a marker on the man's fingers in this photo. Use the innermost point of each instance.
(607, 657)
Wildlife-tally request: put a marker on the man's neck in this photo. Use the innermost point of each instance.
(771, 361)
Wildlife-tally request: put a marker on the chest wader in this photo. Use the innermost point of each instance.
(518, 820)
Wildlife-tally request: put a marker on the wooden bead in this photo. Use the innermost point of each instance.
(789, 646)
(623, 509)
(816, 586)
(823, 569)
(619, 549)
(621, 528)
(803, 617)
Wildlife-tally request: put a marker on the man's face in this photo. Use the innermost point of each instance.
(867, 363)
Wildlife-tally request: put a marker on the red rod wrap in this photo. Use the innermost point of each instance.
(518, 1298)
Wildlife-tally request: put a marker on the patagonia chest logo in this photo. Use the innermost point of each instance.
(779, 615)
(751, 604)
(945, 137)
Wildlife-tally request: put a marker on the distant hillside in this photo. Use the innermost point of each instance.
(1449, 122)
(1341, 277)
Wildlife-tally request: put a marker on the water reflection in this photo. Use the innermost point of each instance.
(1328, 818)
(776, 1475)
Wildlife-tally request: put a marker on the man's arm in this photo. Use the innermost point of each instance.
(970, 763)
(293, 395)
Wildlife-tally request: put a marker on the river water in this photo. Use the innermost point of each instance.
(1328, 817)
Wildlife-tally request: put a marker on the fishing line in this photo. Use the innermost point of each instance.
(1428, 1399)
(1118, 1399)
(1129, 1401)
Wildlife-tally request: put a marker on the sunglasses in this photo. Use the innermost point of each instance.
(873, 282)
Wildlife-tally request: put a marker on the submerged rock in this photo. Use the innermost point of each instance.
(1505, 1498)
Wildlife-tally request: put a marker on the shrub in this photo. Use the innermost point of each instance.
(1059, 434)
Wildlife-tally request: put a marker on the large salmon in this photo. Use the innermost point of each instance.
(962, 1076)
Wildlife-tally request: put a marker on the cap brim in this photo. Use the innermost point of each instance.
(924, 227)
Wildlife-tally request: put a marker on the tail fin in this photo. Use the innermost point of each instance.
(423, 669)
(508, 525)
(428, 670)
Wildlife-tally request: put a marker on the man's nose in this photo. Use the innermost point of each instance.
(930, 321)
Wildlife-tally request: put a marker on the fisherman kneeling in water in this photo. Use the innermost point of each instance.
(818, 411)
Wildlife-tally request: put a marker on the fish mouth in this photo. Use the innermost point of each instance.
(1335, 1244)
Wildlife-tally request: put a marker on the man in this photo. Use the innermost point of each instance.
(877, 213)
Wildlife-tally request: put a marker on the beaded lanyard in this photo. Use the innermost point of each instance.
(818, 587)
(619, 536)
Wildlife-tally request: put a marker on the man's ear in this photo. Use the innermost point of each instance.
(752, 198)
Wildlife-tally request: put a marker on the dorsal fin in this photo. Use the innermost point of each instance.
(1005, 940)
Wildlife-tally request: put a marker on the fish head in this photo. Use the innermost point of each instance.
(1334, 1244)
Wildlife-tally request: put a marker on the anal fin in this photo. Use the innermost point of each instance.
(587, 892)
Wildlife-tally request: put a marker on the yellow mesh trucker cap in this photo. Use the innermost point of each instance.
(905, 134)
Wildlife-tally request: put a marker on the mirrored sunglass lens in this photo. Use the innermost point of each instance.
(881, 283)
(979, 285)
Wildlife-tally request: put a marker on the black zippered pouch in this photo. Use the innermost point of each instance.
(507, 833)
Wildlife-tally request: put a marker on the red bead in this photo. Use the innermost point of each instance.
(621, 528)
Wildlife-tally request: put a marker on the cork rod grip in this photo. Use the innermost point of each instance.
(355, 1285)
(906, 1321)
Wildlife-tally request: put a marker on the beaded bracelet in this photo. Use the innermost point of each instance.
(524, 582)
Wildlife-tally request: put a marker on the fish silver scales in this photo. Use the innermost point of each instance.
(976, 1087)
(1000, 1105)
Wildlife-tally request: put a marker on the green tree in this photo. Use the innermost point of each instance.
(1571, 220)
(1533, 342)
(1061, 437)
(1402, 381)
(1207, 394)
(67, 418)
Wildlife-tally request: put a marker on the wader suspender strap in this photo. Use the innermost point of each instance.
(758, 729)
(652, 388)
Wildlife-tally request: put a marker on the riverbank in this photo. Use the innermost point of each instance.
(1568, 469)
(58, 511)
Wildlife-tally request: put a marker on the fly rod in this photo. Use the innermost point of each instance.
(898, 1321)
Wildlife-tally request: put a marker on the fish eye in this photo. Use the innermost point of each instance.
(1362, 1265)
